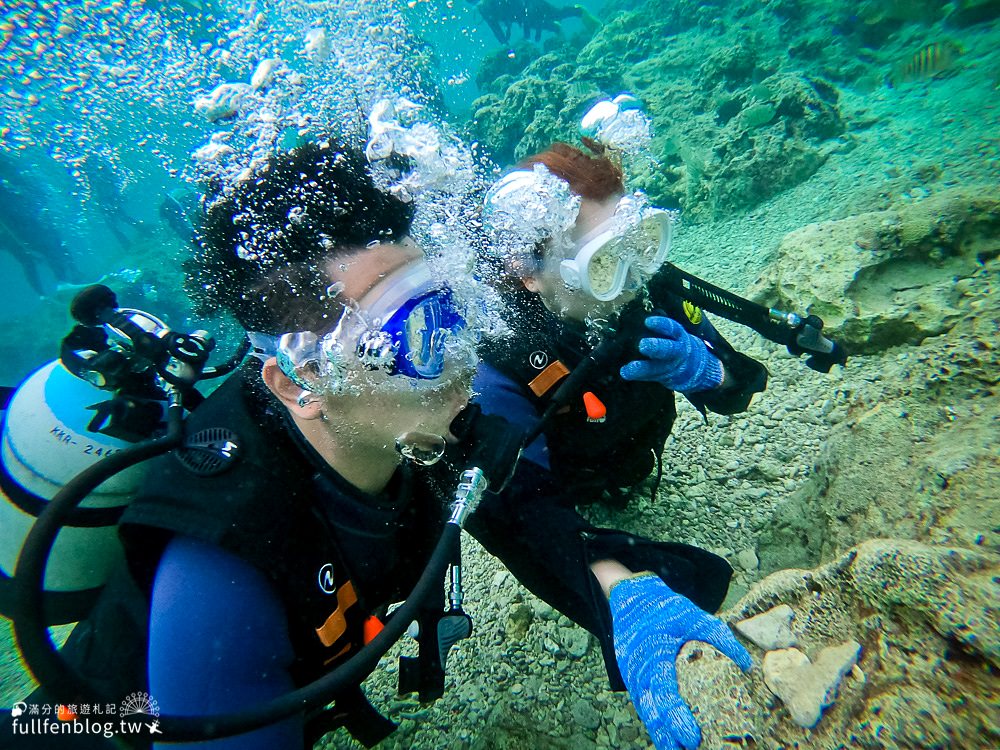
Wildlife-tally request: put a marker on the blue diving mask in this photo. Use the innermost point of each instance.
(402, 326)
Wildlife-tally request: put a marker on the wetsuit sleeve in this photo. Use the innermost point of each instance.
(549, 547)
(218, 642)
(501, 396)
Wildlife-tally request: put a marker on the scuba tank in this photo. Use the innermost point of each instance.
(45, 444)
(107, 392)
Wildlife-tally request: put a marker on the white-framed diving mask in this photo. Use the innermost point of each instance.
(634, 241)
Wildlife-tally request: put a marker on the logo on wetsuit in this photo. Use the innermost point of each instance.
(538, 359)
(326, 581)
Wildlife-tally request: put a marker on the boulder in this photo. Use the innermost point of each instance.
(891, 277)
(916, 456)
(925, 617)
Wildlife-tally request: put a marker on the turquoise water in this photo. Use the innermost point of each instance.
(98, 118)
(99, 127)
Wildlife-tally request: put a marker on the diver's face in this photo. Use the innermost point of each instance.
(575, 304)
(385, 406)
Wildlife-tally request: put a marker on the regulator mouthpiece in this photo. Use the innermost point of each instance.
(422, 448)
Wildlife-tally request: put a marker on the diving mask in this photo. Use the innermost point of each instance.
(401, 327)
(635, 239)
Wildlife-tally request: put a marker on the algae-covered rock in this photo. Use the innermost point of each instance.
(885, 278)
(742, 128)
(926, 619)
(916, 455)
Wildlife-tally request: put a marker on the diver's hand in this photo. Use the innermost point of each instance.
(675, 358)
(650, 624)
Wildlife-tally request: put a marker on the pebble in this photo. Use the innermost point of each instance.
(585, 715)
(551, 646)
(747, 559)
(770, 630)
(805, 687)
(575, 641)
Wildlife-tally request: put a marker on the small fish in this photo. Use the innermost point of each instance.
(580, 89)
(935, 60)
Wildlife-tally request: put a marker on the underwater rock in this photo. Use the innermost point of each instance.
(972, 12)
(917, 454)
(902, 464)
(886, 278)
(769, 630)
(925, 617)
(724, 140)
(806, 687)
(747, 559)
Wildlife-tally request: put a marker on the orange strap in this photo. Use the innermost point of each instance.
(335, 625)
(547, 378)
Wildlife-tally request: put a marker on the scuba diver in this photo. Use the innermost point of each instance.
(533, 16)
(598, 268)
(308, 496)
(25, 231)
(604, 333)
(107, 194)
(180, 210)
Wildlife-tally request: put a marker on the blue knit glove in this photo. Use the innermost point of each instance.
(675, 358)
(650, 624)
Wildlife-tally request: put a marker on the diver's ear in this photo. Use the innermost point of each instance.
(301, 403)
(524, 271)
(531, 283)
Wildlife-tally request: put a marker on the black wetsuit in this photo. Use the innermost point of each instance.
(582, 458)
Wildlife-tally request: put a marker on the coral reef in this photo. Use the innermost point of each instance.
(924, 617)
(746, 127)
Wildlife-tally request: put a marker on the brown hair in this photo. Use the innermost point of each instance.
(590, 176)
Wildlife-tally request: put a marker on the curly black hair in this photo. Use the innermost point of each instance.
(262, 243)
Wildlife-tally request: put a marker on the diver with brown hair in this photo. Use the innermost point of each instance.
(26, 232)
(577, 259)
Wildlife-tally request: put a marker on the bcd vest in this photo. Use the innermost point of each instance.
(587, 456)
(265, 510)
